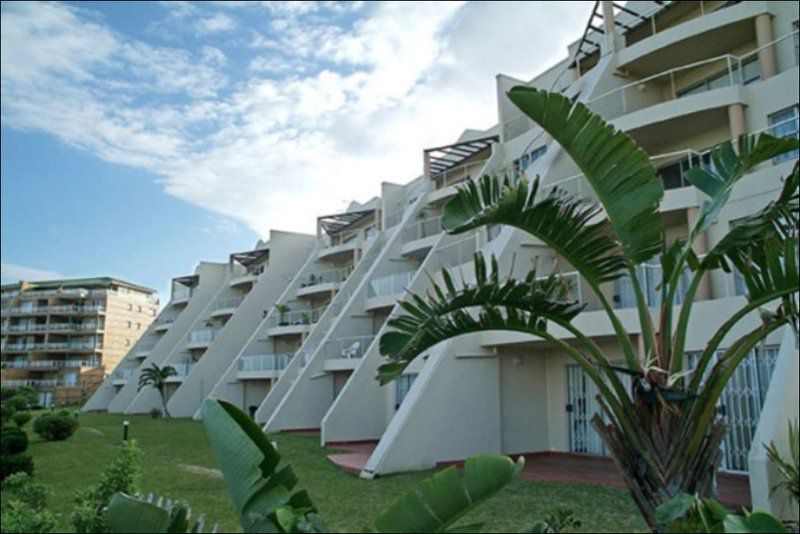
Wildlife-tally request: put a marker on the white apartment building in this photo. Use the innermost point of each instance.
(680, 78)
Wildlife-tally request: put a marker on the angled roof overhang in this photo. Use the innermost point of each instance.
(250, 257)
(334, 224)
(442, 158)
(189, 281)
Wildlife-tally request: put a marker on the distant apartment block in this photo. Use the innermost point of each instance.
(61, 337)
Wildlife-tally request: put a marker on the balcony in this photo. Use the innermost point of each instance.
(48, 364)
(73, 327)
(143, 348)
(320, 282)
(75, 309)
(344, 353)
(121, 376)
(226, 306)
(384, 292)
(182, 369)
(243, 280)
(201, 339)
(421, 235)
(162, 324)
(336, 250)
(445, 183)
(262, 366)
(34, 383)
(181, 296)
(292, 323)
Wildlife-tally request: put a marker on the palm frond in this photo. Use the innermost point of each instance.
(561, 221)
(616, 168)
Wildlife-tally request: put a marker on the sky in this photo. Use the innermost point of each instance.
(141, 138)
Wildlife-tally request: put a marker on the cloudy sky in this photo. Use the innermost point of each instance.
(140, 138)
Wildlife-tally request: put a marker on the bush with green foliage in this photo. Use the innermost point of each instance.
(15, 463)
(23, 399)
(13, 440)
(21, 418)
(122, 475)
(156, 413)
(789, 467)
(55, 426)
(6, 413)
(24, 506)
(692, 513)
(7, 393)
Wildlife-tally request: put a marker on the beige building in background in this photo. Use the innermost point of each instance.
(61, 337)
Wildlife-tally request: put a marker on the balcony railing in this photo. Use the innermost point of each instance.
(348, 348)
(326, 277)
(394, 284)
(123, 374)
(733, 70)
(227, 303)
(457, 253)
(47, 364)
(422, 229)
(145, 346)
(264, 362)
(203, 336)
(32, 382)
(181, 294)
(183, 368)
(458, 174)
(295, 317)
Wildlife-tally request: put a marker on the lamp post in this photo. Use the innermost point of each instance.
(125, 425)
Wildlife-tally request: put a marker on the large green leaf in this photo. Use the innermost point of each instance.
(616, 168)
(441, 500)
(558, 220)
(249, 464)
(127, 514)
(522, 305)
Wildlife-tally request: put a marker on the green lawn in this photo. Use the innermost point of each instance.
(172, 451)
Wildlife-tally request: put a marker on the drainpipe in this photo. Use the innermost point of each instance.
(766, 55)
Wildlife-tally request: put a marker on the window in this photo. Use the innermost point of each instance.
(127, 342)
(492, 231)
(401, 388)
(130, 307)
(130, 324)
(140, 309)
(138, 326)
(784, 123)
(525, 160)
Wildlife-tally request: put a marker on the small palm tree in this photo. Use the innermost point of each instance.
(156, 377)
(662, 430)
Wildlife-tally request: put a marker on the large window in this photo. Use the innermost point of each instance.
(402, 387)
(784, 123)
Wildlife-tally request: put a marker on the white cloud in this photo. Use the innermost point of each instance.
(11, 272)
(328, 109)
(216, 23)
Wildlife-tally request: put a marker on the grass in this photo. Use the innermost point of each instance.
(346, 503)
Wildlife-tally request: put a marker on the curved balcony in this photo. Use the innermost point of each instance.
(292, 323)
(181, 297)
(339, 251)
(384, 292)
(262, 366)
(419, 236)
(225, 307)
(247, 279)
(322, 282)
(182, 369)
(120, 377)
(201, 339)
(344, 354)
(162, 325)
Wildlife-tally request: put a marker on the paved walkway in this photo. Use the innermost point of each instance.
(734, 490)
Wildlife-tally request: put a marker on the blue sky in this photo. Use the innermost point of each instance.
(141, 138)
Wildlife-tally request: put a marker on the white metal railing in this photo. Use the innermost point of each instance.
(123, 374)
(457, 253)
(227, 303)
(635, 96)
(37, 364)
(295, 317)
(348, 348)
(145, 346)
(422, 228)
(458, 174)
(327, 276)
(165, 320)
(393, 284)
(203, 336)
(183, 368)
(264, 362)
(76, 308)
(181, 294)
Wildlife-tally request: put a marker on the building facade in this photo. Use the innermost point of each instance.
(61, 337)
(680, 78)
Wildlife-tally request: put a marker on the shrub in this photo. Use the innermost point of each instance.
(6, 412)
(155, 413)
(24, 507)
(7, 393)
(13, 440)
(21, 418)
(55, 426)
(121, 475)
(15, 463)
(20, 402)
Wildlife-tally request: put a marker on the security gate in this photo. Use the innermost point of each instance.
(581, 406)
(741, 403)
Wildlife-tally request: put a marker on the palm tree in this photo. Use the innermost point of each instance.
(156, 377)
(661, 428)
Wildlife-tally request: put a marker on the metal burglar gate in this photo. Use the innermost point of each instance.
(581, 406)
(741, 403)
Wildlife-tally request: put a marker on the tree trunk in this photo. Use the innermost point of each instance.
(163, 393)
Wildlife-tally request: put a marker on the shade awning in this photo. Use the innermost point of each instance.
(334, 224)
(442, 158)
(250, 257)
